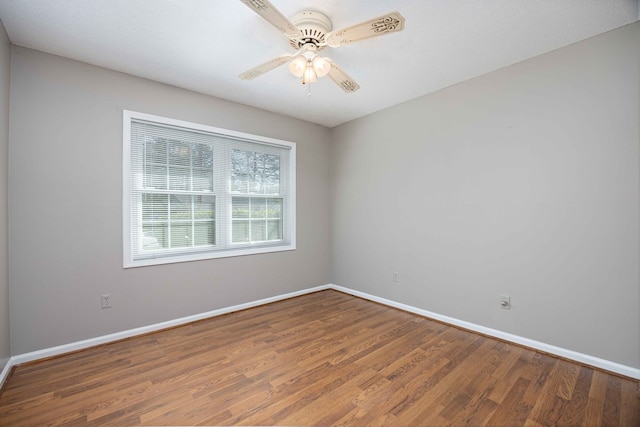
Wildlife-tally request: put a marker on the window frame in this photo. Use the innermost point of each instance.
(288, 195)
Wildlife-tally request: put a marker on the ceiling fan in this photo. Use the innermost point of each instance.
(309, 32)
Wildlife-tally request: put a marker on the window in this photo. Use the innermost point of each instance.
(196, 192)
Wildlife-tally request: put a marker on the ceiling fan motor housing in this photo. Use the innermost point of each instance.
(314, 27)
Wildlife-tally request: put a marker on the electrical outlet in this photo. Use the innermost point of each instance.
(396, 278)
(505, 302)
(105, 299)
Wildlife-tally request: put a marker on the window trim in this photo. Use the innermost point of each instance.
(258, 248)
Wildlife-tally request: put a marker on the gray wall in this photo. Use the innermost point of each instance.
(65, 247)
(522, 182)
(5, 67)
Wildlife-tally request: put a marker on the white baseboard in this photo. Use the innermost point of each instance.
(558, 351)
(79, 345)
(597, 362)
(5, 371)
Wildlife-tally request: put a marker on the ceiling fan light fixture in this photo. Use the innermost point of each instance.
(310, 75)
(321, 65)
(298, 65)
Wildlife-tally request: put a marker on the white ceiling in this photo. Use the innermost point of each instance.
(203, 45)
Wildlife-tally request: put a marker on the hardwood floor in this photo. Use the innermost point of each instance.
(320, 359)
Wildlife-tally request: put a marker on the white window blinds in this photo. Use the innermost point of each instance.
(196, 192)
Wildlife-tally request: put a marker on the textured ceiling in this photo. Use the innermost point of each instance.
(203, 45)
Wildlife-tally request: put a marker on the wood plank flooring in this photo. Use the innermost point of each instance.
(321, 359)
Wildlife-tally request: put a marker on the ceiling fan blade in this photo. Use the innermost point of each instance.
(389, 23)
(263, 68)
(342, 79)
(273, 16)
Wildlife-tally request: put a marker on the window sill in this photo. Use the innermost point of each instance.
(254, 250)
